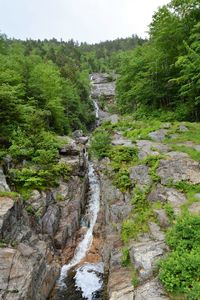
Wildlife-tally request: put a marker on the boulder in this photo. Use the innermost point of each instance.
(158, 135)
(151, 290)
(119, 140)
(183, 128)
(179, 167)
(70, 149)
(147, 148)
(170, 195)
(139, 175)
(162, 218)
(156, 232)
(144, 256)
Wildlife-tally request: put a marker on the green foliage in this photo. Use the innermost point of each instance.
(180, 273)
(121, 155)
(153, 162)
(169, 211)
(163, 74)
(122, 180)
(142, 214)
(180, 270)
(134, 279)
(34, 177)
(100, 144)
(184, 235)
(125, 259)
(12, 195)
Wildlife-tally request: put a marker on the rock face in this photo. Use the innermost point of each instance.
(139, 175)
(147, 148)
(31, 242)
(152, 290)
(158, 135)
(144, 256)
(179, 167)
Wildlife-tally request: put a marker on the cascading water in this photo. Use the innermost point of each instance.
(87, 278)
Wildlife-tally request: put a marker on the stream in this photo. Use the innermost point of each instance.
(84, 281)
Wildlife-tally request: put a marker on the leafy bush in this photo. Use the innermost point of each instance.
(180, 273)
(184, 235)
(100, 144)
(122, 180)
(120, 155)
(125, 259)
(180, 270)
(37, 178)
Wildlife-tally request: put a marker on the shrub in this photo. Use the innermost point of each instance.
(180, 270)
(184, 235)
(100, 144)
(125, 259)
(180, 273)
(122, 180)
(120, 155)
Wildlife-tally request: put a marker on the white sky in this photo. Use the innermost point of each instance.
(83, 20)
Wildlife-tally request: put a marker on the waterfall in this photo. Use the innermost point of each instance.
(84, 245)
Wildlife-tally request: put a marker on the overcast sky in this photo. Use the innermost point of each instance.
(82, 20)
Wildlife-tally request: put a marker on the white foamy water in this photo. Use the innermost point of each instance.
(92, 212)
(88, 278)
(96, 106)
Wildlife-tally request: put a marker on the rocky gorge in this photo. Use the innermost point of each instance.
(35, 246)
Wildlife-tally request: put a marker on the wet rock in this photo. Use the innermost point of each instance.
(145, 255)
(177, 168)
(51, 220)
(195, 208)
(147, 148)
(139, 175)
(151, 290)
(158, 135)
(3, 184)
